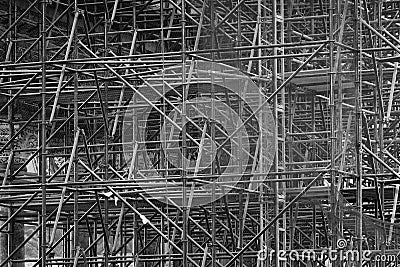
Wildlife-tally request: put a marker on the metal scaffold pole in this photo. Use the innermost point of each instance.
(43, 138)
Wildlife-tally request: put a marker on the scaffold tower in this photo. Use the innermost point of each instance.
(201, 133)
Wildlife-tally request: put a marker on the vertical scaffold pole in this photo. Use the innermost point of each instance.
(76, 129)
(106, 136)
(183, 175)
(358, 126)
(43, 165)
(332, 128)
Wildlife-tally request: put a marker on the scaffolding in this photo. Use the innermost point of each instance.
(198, 133)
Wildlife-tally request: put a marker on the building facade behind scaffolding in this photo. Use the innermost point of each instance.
(199, 133)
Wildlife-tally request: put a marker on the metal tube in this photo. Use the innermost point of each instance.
(43, 158)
